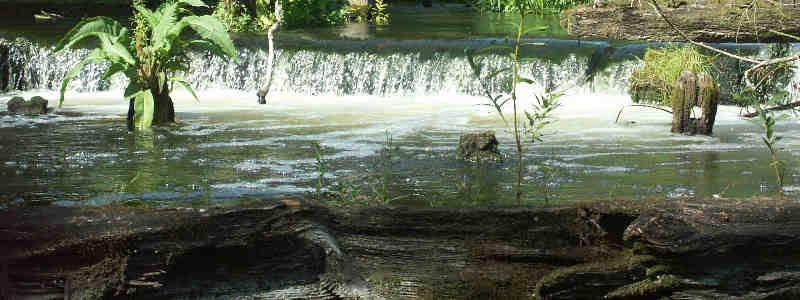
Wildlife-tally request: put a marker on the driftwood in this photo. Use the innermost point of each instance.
(295, 249)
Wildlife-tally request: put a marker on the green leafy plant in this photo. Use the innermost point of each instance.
(236, 17)
(540, 117)
(383, 192)
(767, 122)
(652, 83)
(322, 168)
(151, 56)
(379, 14)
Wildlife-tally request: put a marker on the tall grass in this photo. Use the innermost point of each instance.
(661, 67)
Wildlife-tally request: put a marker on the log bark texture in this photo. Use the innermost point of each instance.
(292, 249)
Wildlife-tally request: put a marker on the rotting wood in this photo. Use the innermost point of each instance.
(298, 249)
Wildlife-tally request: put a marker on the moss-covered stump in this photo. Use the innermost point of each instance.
(708, 21)
(292, 249)
(691, 91)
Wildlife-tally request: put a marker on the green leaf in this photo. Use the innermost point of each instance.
(149, 15)
(185, 86)
(94, 57)
(525, 80)
(143, 110)
(162, 32)
(115, 51)
(134, 89)
(211, 29)
(113, 69)
(95, 26)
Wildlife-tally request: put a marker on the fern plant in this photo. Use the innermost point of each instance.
(151, 56)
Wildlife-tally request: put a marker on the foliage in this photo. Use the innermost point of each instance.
(769, 83)
(532, 6)
(236, 17)
(379, 14)
(767, 122)
(383, 192)
(540, 117)
(302, 13)
(322, 168)
(151, 56)
(661, 68)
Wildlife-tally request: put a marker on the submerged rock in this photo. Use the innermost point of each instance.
(479, 146)
(36, 106)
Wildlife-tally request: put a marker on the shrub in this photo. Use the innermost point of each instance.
(652, 83)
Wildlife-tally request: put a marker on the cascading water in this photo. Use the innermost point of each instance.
(315, 72)
(345, 100)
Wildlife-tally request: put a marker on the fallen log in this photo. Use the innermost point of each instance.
(292, 249)
(702, 21)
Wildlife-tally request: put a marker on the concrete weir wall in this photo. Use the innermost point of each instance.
(681, 249)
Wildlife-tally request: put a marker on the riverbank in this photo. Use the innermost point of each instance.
(705, 21)
(293, 248)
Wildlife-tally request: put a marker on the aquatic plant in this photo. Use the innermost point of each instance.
(540, 117)
(383, 193)
(661, 68)
(322, 168)
(767, 122)
(150, 56)
(379, 14)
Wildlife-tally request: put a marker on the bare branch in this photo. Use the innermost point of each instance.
(619, 114)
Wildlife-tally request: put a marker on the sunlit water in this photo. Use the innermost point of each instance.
(228, 148)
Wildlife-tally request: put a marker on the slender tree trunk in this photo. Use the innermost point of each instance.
(276, 25)
(131, 113)
(518, 140)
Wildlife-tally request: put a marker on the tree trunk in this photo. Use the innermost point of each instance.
(164, 110)
(276, 25)
(131, 114)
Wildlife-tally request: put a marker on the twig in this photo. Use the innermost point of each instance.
(758, 63)
(619, 114)
(775, 108)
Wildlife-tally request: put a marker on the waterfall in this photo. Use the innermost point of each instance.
(34, 66)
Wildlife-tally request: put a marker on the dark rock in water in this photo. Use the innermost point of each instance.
(479, 146)
(36, 106)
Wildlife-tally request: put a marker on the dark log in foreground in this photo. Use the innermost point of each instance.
(703, 21)
(293, 249)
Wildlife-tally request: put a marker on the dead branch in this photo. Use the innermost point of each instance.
(619, 114)
(758, 63)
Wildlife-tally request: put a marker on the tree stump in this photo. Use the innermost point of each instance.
(708, 99)
(691, 91)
